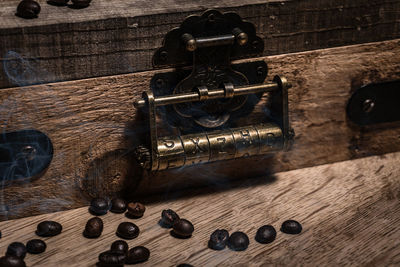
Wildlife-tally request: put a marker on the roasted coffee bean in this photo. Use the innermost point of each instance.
(127, 230)
(137, 254)
(136, 210)
(118, 205)
(218, 239)
(183, 228)
(238, 241)
(36, 246)
(0, 234)
(93, 228)
(11, 261)
(291, 227)
(184, 265)
(265, 234)
(57, 2)
(80, 3)
(16, 249)
(120, 245)
(99, 206)
(28, 9)
(168, 217)
(48, 228)
(112, 258)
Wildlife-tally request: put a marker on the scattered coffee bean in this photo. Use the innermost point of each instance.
(136, 210)
(11, 261)
(238, 241)
(118, 205)
(120, 245)
(99, 206)
(36, 246)
(168, 217)
(184, 265)
(218, 239)
(291, 227)
(93, 228)
(48, 228)
(28, 9)
(112, 258)
(80, 3)
(183, 228)
(0, 234)
(57, 2)
(127, 230)
(265, 234)
(16, 249)
(137, 254)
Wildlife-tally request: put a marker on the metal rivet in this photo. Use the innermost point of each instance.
(260, 71)
(211, 17)
(255, 44)
(163, 55)
(368, 105)
(160, 83)
(28, 152)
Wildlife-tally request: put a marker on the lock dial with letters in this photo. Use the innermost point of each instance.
(206, 95)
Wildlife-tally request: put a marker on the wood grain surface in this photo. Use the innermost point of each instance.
(94, 126)
(349, 212)
(115, 37)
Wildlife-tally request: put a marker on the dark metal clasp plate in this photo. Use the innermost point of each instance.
(24, 155)
(375, 103)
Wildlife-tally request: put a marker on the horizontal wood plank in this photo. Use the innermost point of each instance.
(94, 126)
(115, 37)
(349, 212)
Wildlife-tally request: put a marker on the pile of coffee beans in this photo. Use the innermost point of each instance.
(181, 228)
(238, 241)
(16, 252)
(119, 255)
(30, 9)
(48, 228)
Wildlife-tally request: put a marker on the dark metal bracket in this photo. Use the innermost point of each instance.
(375, 103)
(24, 155)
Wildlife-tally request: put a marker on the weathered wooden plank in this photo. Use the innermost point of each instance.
(93, 126)
(114, 37)
(349, 211)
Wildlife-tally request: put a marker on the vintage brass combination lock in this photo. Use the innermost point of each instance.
(206, 95)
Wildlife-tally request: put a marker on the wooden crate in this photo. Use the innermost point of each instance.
(327, 49)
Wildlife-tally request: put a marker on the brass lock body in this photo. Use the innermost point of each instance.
(204, 102)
